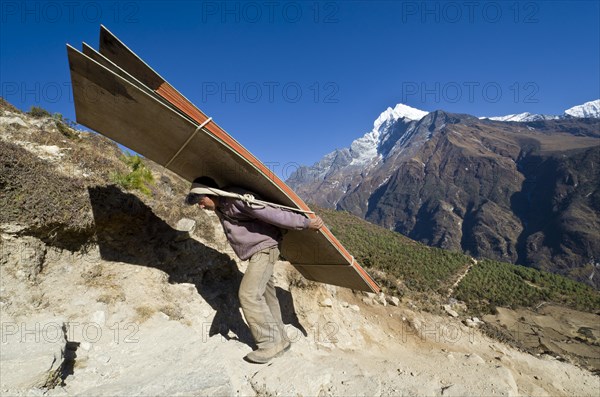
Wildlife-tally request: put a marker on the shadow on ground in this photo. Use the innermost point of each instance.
(128, 231)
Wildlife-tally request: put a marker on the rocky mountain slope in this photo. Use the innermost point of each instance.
(522, 192)
(109, 291)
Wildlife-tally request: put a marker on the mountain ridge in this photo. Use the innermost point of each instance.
(446, 179)
(589, 109)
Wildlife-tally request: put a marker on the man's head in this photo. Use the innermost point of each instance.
(205, 201)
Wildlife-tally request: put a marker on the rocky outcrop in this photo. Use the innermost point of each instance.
(34, 352)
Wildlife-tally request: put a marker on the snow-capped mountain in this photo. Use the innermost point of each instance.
(395, 128)
(522, 117)
(397, 135)
(457, 182)
(587, 110)
(366, 148)
(400, 111)
(344, 169)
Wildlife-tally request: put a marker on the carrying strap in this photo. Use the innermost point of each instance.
(247, 198)
(208, 120)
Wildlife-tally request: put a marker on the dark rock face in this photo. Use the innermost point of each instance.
(559, 206)
(525, 193)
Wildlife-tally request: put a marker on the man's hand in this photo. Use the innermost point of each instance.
(315, 223)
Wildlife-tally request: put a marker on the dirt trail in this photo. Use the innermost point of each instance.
(138, 334)
(461, 276)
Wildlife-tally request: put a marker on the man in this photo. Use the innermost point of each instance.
(254, 232)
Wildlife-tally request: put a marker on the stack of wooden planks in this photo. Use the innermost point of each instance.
(118, 95)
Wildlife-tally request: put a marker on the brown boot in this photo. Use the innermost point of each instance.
(263, 356)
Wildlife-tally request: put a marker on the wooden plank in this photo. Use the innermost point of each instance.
(110, 106)
(107, 63)
(328, 275)
(150, 116)
(120, 53)
(116, 50)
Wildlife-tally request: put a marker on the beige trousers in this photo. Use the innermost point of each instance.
(259, 301)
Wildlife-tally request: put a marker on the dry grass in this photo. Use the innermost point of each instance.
(114, 295)
(172, 311)
(97, 277)
(32, 194)
(4, 105)
(143, 313)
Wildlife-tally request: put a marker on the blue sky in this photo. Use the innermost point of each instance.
(294, 80)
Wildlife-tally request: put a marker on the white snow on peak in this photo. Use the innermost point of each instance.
(521, 117)
(511, 117)
(398, 112)
(587, 110)
(364, 149)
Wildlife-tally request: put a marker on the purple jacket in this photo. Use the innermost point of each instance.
(250, 230)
